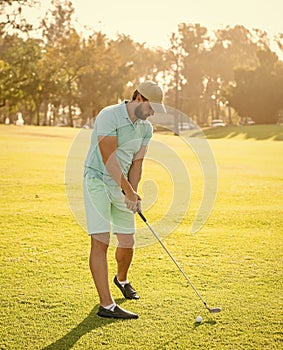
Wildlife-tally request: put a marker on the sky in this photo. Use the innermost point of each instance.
(153, 21)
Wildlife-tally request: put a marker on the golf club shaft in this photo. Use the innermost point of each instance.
(172, 258)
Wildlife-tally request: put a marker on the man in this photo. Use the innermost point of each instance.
(113, 169)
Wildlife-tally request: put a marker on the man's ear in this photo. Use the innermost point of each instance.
(139, 98)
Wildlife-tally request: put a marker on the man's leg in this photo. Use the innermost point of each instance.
(99, 219)
(124, 255)
(99, 267)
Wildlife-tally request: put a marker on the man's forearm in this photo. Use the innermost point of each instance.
(108, 147)
(134, 175)
(114, 169)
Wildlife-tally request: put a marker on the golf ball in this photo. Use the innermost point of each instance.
(199, 319)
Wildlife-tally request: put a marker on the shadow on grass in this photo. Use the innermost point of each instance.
(257, 132)
(91, 322)
(210, 322)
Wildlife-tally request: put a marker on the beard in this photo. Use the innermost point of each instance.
(139, 113)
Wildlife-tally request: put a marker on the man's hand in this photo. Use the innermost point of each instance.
(139, 206)
(133, 201)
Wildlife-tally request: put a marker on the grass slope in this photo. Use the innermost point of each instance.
(258, 132)
(47, 297)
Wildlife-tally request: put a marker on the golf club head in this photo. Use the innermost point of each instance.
(214, 310)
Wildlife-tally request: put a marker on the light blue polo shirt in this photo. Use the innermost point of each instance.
(114, 121)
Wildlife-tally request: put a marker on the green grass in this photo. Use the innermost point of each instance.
(258, 132)
(47, 296)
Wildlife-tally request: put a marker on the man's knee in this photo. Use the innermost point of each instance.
(126, 240)
(100, 239)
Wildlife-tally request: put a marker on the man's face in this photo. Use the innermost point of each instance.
(144, 110)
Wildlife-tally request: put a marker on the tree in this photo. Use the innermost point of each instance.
(279, 41)
(20, 78)
(209, 62)
(57, 23)
(105, 77)
(114, 67)
(194, 41)
(11, 19)
(144, 63)
(64, 46)
(11, 78)
(259, 92)
(232, 47)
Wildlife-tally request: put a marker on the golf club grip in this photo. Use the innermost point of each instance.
(139, 212)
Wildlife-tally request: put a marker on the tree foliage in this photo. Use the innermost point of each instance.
(11, 18)
(203, 72)
(258, 93)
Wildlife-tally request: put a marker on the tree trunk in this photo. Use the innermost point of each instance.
(37, 115)
(70, 114)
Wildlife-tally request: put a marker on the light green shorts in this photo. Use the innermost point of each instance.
(105, 208)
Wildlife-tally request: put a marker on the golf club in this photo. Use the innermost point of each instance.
(211, 310)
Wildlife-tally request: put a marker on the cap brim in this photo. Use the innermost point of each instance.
(158, 107)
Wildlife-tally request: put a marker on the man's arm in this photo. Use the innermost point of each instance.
(108, 147)
(135, 171)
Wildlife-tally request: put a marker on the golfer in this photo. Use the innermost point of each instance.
(113, 169)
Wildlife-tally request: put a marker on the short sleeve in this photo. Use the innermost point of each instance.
(148, 133)
(106, 124)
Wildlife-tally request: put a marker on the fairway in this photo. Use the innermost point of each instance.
(48, 300)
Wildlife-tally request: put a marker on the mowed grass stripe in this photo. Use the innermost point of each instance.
(47, 297)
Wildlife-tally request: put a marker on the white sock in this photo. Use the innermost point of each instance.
(123, 283)
(110, 307)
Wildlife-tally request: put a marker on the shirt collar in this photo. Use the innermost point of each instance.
(125, 114)
(124, 110)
